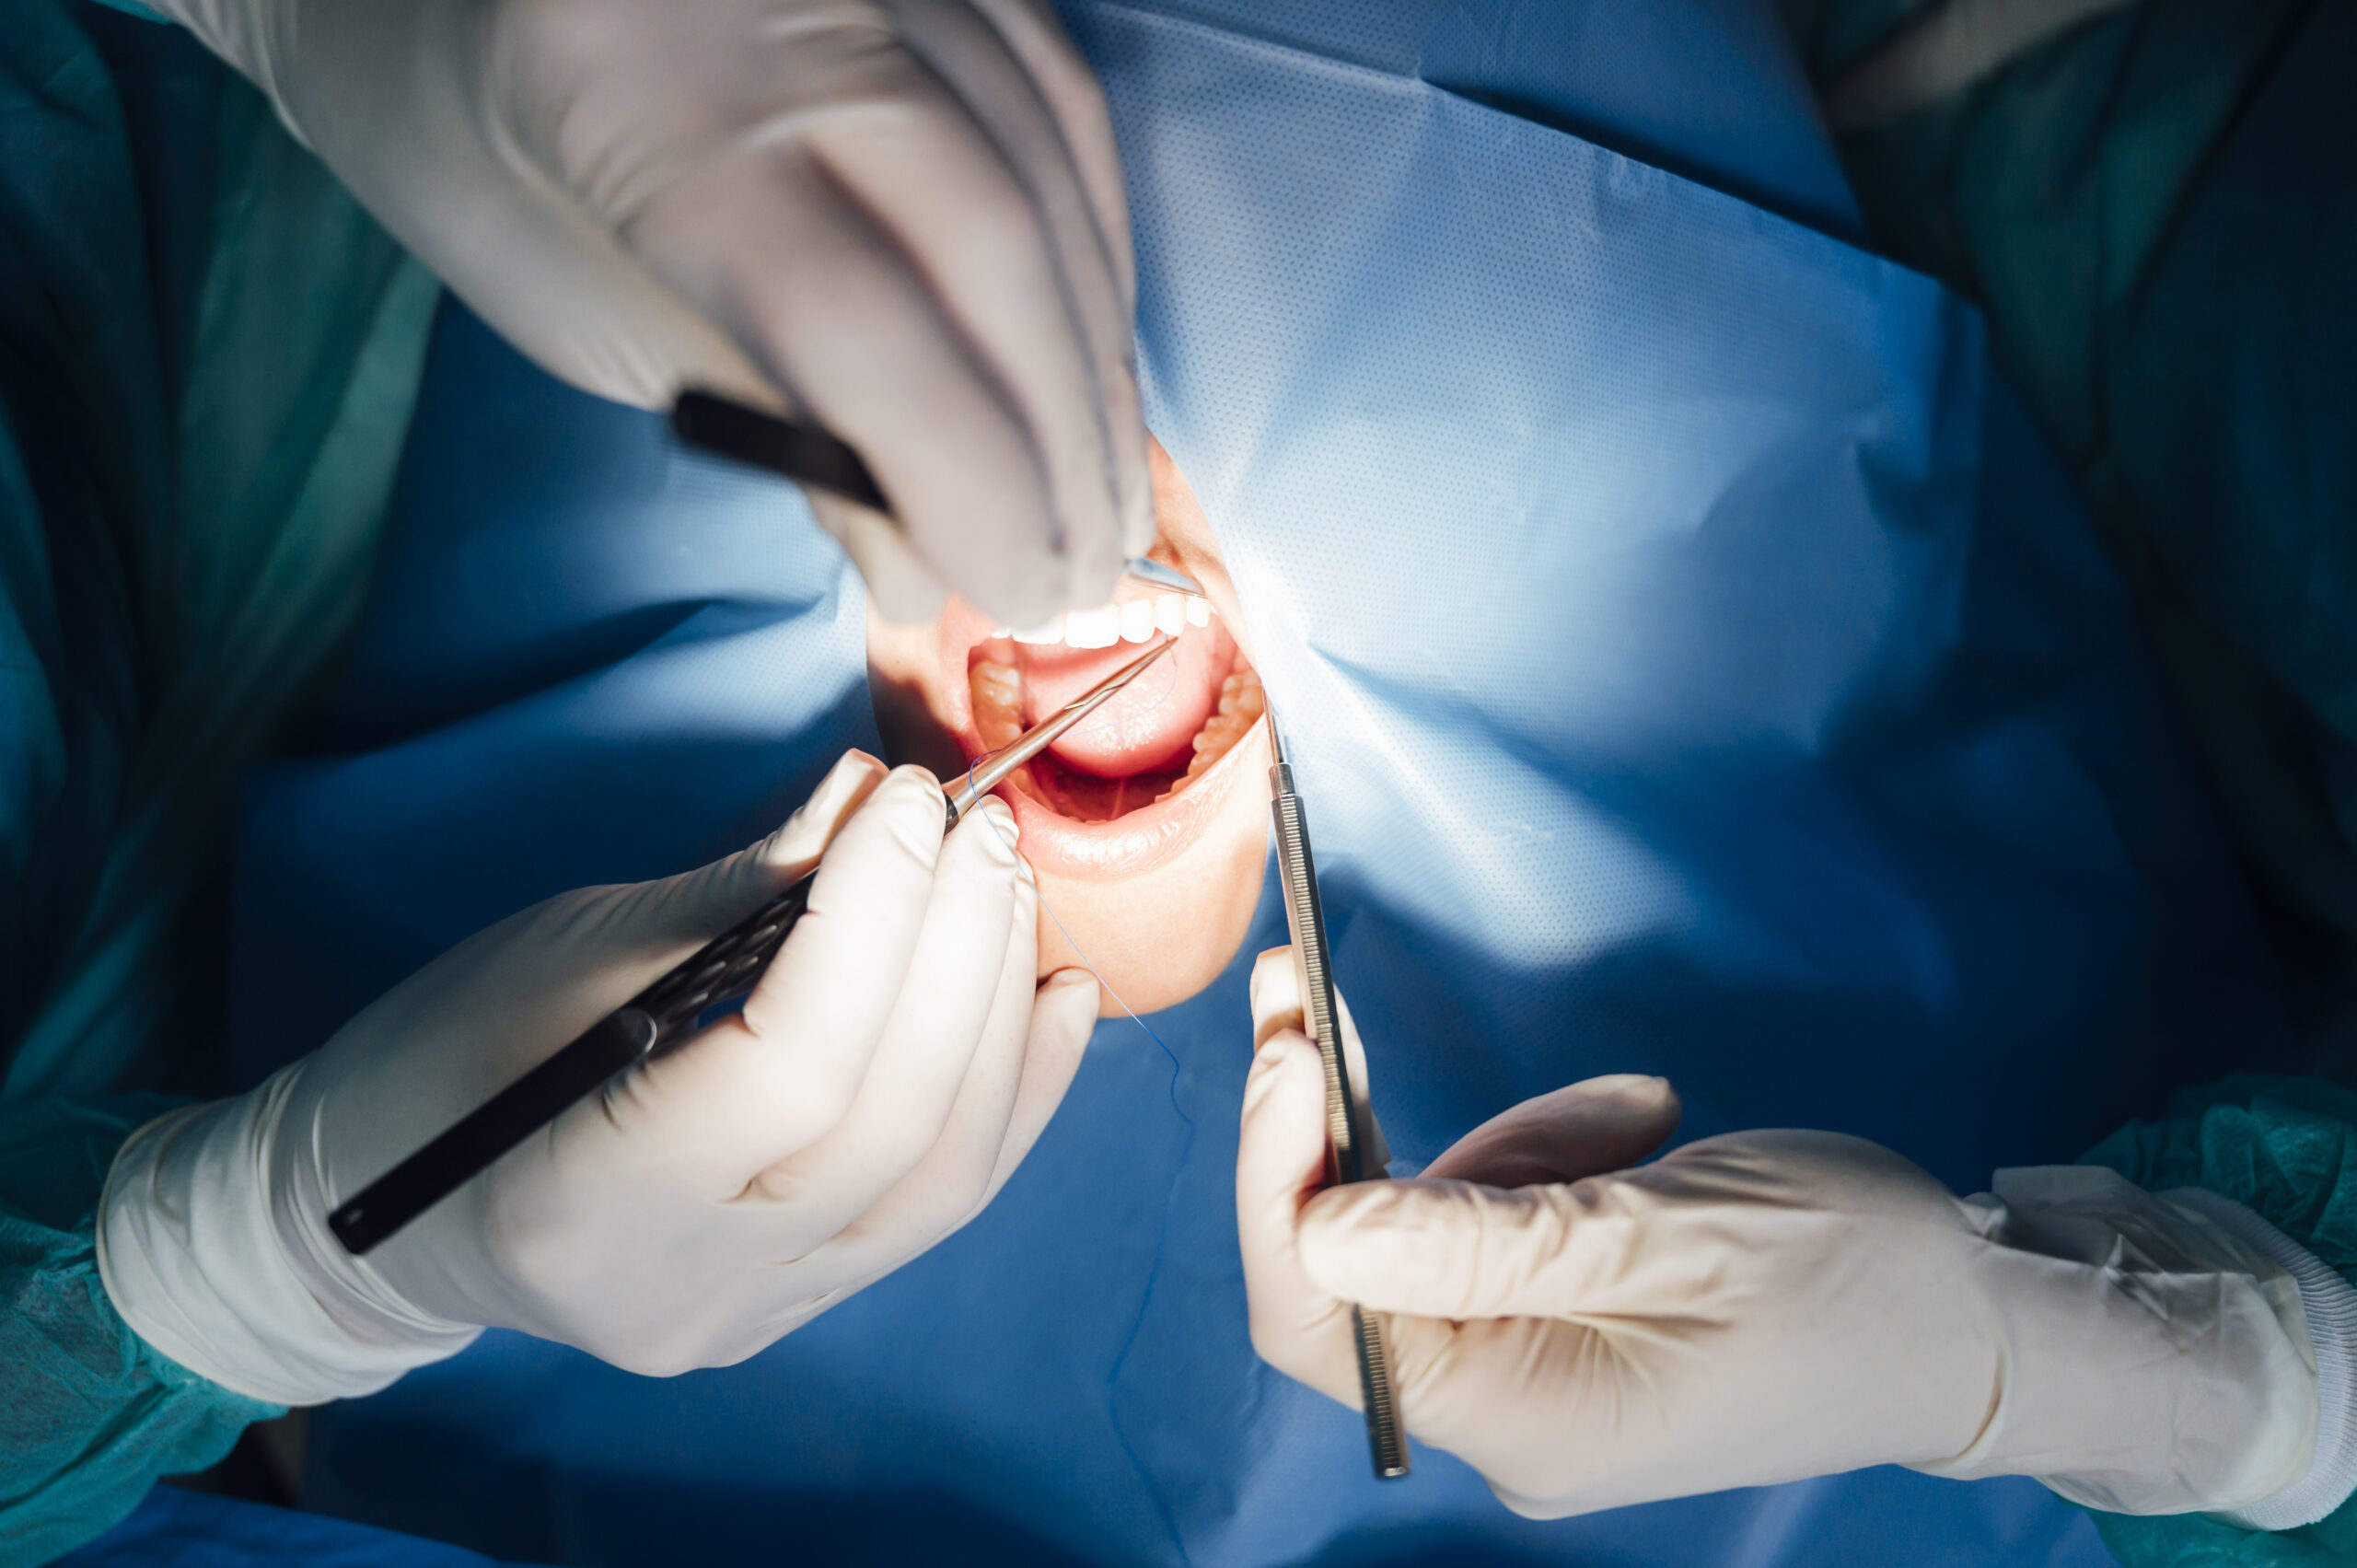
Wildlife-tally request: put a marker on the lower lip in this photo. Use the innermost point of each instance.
(1135, 841)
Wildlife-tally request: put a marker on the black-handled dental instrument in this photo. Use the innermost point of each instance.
(1346, 1137)
(808, 455)
(802, 453)
(658, 1018)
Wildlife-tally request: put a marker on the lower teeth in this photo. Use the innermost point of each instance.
(1241, 703)
(997, 693)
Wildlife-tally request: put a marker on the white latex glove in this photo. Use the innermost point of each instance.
(888, 1072)
(901, 218)
(1760, 1308)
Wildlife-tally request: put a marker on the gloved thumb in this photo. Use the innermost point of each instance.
(1297, 1327)
(1584, 1129)
(1489, 1230)
(1446, 1249)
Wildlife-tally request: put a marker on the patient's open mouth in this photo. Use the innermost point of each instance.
(1136, 780)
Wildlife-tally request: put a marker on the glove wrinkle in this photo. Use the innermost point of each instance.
(2209, 1392)
(1764, 1307)
(2329, 1311)
(905, 221)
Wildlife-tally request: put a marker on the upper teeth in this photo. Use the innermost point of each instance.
(1135, 622)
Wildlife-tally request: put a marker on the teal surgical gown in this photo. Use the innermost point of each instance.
(2157, 210)
(208, 356)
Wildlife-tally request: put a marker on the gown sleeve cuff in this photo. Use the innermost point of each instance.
(91, 1414)
(2284, 1151)
(2330, 1305)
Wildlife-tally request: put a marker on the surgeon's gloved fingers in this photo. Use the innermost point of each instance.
(919, 1213)
(1276, 1004)
(1585, 1129)
(955, 1181)
(1064, 1017)
(1044, 540)
(972, 47)
(761, 1084)
(989, 446)
(952, 1183)
(1298, 1327)
(947, 1028)
(1033, 98)
(1456, 1251)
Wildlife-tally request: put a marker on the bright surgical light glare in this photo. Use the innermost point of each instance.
(1093, 628)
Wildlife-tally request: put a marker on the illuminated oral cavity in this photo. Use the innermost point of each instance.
(1150, 742)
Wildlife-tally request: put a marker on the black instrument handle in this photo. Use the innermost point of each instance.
(652, 1022)
(802, 453)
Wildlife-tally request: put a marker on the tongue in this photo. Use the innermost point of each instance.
(1147, 726)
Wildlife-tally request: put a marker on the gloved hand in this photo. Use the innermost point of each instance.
(888, 1072)
(1764, 1307)
(901, 218)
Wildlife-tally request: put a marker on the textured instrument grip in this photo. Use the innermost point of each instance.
(1386, 1440)
(799, 452)
(652, 1022)
(509, 1116)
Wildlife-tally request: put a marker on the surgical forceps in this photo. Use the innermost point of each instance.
(658, 1018)
(1345, 1135)
(808, 455)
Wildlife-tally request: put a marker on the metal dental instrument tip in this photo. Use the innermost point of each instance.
(986, 775)
(1167, 578)
(1346, 1140)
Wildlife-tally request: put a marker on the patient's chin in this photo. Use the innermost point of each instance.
(1157, 938)
(1147, 825)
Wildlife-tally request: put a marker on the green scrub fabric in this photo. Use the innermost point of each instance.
(2158, 211)
(90, 1414)
(208, 357)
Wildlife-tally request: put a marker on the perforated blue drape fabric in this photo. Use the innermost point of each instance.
(1699, 666)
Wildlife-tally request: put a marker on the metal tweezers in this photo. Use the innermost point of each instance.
(1345, 1135)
